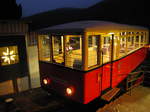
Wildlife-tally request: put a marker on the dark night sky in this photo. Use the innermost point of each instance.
(31, 7)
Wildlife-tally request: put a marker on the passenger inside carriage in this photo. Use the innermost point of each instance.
(73, 56)
(63, 50)
(66, 50)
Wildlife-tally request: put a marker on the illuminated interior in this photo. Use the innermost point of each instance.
(66, 50)
(106, 48)
(92, 50)
(123, 46)
(9, 55)
(44, 45)
(57, 48)
(73, 48)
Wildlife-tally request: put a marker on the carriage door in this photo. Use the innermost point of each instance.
(93, 58)
(106, 54)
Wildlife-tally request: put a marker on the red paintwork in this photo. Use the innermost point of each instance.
(61, 78)
(86, 84)
(128, 64)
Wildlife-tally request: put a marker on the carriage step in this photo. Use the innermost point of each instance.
(110, 94)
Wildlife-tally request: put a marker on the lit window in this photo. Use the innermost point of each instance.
(73, 48)
(58, 52)
(44, 48)
(123, 45)
(123, 33)
(130, 44)
(142, 40)
(93, 50)
(9, 55)
(106, 49)
(137, 42)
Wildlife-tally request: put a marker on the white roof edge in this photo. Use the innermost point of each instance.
(92, 24)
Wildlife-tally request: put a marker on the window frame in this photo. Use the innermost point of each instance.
(81, 45)
(52, 50)
(98, 37)
(39, 47)
(64, 46)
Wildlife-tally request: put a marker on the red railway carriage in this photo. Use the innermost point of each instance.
(80, 60)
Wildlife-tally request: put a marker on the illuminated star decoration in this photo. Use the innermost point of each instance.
(8, 56)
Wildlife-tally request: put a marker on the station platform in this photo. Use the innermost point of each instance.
(136, 100)
(34, 100)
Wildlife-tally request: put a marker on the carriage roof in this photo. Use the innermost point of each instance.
(91, 26)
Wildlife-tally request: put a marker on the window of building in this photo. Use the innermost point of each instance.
(44, 48)
(93, 50)
(9, 55)
(73, 50)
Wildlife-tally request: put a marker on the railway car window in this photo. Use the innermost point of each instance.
(137, 42)
(122, 46)
(73, 48)
(122, 33)
(130, 44)
(106, 48)
(142, 40)
(44, 48)
(115, 52)
(58, 49)
(92, 50)
(146, 39)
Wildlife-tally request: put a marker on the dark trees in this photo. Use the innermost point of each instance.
(10, 10)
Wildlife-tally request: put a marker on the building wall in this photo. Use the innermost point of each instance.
(21, 77)
(12, 74)
(4, 87)
(23, 83)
